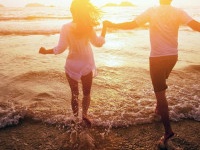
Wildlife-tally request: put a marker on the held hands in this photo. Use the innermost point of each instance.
(108, 24)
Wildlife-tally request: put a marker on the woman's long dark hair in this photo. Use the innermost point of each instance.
(85, 15)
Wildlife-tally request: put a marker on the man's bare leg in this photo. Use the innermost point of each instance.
(163, 110)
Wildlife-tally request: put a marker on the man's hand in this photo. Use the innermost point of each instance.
(107, 23)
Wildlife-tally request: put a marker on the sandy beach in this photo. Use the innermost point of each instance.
(32, 135)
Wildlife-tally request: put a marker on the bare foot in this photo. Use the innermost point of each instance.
(86, 122)
(166, 137)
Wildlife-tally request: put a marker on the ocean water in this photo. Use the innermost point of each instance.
(34, 86)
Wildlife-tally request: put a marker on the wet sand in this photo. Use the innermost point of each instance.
(32, 135)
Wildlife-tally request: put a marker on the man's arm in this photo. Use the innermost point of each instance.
(124, 25)
(195, 25)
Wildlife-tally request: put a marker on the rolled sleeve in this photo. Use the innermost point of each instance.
(63, 42)
(184, 17)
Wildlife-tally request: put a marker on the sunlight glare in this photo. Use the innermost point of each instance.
(113, 61)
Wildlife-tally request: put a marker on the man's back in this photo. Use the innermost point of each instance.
(164, 23)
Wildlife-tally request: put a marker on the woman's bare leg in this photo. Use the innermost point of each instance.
(86, 86)
(74, 95)
(75, 105)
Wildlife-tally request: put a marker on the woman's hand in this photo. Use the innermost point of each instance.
(46, 51)
(42, 50)
(106, 24)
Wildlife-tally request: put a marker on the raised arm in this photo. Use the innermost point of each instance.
(103, 32)
(124, 25)
(98, 41)
(195, 25)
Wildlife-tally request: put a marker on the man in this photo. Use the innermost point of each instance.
(164, 22)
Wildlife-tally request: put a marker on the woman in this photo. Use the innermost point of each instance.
(80, 66)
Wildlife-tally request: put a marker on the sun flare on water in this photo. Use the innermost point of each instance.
(64, 3)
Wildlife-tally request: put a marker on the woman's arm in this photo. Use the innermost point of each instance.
(62, 43)
(103, 32)
(46, 51)
(97, 41)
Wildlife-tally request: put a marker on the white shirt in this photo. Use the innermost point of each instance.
(80, 60)
(164, 22)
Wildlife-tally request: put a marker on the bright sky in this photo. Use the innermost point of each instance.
(18, 3)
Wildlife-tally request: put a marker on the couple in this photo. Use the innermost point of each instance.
(164, 22)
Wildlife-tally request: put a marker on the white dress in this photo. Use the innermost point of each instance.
(80, 59)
